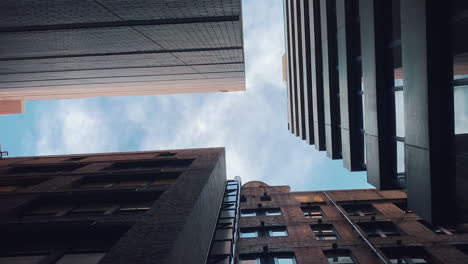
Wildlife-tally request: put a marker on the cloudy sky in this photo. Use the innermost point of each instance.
(252, 125)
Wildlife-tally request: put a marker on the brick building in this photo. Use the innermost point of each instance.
(135, 207)
(383, 85)
(347, 226)
(77, 49)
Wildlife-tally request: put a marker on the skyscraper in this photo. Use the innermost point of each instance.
(340, 227)
(133, 207)
(79, 49)
(383, 85)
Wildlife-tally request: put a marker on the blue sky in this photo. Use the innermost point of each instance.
(252, 125)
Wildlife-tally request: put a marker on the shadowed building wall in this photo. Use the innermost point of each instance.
(79, 49)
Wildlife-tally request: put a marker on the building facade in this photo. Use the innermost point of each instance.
(383, 85)
(135, 207)
(79, 49)
(346, 227)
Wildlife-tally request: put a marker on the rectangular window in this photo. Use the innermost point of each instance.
(277, 258)
(408, 255)
(126, 181)
(461, 109)
(150, 164)
(8, 188)
(339, 256)
(260, 212)
(379, 229)
(264, 231)
(51, 168)
(324, 232)
(442, 230)
(313, 212)
(91, 209)
(359, 209)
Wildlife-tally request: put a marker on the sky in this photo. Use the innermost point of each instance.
(251, 125)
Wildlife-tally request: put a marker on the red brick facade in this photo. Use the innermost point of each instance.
(440, 248)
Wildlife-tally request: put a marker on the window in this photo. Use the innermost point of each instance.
(92, 209)
(324, 232)
(22, 259)
(150, 164)
(359, 209)
(260, 212)
(13, 185)
(461, 108)
(442, 230)
(313, 212)
(166, 154)
(49, 210)
(81, 258)
(248, 233)
(52, 168)
(265, 198)
(75, 158)
(127, 181)
(379, 229)
(339, 256)
(278, 258)
(406, 255)
(264, 231)
(243, 199)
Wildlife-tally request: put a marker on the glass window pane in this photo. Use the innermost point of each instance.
(284, 260)
(278, 232)
(47, 210)
(248, 234)
(250, 261)
(400, 114)
(271, 212)
(21, 259)
(84, 258)
(92, 185)
(340, 260)
(247, 213)
(400, 157)
(461, 109)
(90, 209)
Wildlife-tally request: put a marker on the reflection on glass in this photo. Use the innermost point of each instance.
(285, 260)
(400, 114)
(400, 157)
(461, 109)
(460, 66)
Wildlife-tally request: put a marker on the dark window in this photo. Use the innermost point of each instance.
(150, 164)
(12, 185)
(339, 256)
(313, 212)
(166, 154)
(406, 255)
(37, 169)
(359, 209)
(260, 212)
(265, 198)
(442, 230)
(127, 181)
(379, 229)
(270, 231)
(76, 158)
(95, 205)
(277, 258)
(243, 199)
(324, 232)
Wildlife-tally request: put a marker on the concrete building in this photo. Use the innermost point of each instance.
(78, 49)
(169, 207)
(340, 227)
(383, 85)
